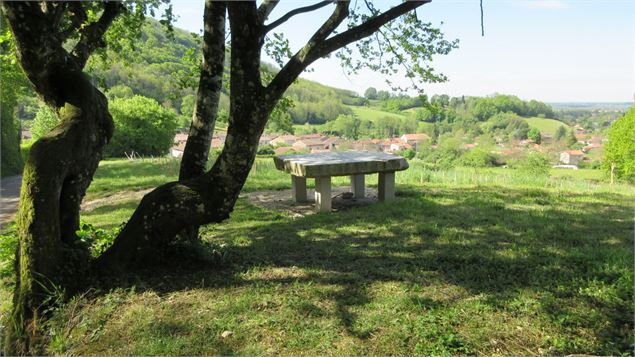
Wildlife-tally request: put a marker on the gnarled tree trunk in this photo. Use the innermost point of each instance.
(50, 261)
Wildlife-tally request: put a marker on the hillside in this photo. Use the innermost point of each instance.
(545, 125)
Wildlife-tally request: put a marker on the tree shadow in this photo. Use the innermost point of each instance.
(491, 241)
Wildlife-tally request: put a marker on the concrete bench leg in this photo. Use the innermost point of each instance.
(357, 186)
(298, 188)
(386, 187)
(323, 194)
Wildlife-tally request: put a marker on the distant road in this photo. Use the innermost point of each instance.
(9, 197)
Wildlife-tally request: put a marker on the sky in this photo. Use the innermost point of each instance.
(549, 50)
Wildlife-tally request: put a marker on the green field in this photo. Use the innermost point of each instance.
(545, 125)
(373, 114)
(465, 261)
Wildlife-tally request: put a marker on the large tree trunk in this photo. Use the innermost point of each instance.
(196, 153)
(60, 167)
(210, 197)
(50, 261)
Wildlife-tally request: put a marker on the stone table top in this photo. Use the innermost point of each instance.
(339, 163)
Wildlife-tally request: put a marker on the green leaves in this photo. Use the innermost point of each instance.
(621, 146)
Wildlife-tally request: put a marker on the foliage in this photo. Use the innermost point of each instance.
(560, 133)
(142, 126)
(478, 158)
(97, 239)
(45, 120)
(119, 91)
(534, 134)
(370, 93)
(409, 154)
(533, 163)
(621, 147)
(13, 80)
(266, 150)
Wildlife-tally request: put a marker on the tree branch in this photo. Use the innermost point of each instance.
(367, 28)
(92, 36)
(265, 9)
(294, 12)
(77, 16)
(298, 62)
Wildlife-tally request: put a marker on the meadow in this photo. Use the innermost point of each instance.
(545, 125)
(465, 261)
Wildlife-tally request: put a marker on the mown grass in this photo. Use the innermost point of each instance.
(373, 114)
(545, 125)
(463, 262)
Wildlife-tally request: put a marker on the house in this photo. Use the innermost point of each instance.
(392, 145)
(414, 139)
(177, 149)
(581, 138)
(266, 139)
(332, 143)
(282, 150)
(579, 129)
(571, 157)
(286, 140)
(366, 145)
(308, 144)
(217, 142)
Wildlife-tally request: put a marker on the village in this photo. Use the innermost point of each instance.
(587, 149)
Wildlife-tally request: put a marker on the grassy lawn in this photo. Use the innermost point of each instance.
(463, 262)
(545, 125)
(373, 113)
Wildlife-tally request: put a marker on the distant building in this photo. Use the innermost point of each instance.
(282, 150)
(367, 145)
(414, 139)
(308, 144)
(266, 139)
(284, 140)
(571, 157)
(26, 134)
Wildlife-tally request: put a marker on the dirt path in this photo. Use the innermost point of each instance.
(9, 197)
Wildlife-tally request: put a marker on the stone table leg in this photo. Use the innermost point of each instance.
(357, 186)
(298, 188)
(323, 194)
(386, 187)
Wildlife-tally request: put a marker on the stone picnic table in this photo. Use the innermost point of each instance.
(322, 166)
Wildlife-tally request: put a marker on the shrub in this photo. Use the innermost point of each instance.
(478, 158)
(266, 150)
(621, 145)
(408, 154)
(45, 120)
(534, 163)
(141, 125)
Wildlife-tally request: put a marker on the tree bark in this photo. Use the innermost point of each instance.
(50, 260)
(197, 148)
(196, 153)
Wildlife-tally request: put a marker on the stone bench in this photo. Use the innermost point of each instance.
(355, 164)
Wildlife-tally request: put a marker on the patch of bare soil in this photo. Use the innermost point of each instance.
(88, 206)
(281, 200)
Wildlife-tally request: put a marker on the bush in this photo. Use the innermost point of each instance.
(409, 154)
(266, 150)
(478, 158)
(141, 125)
(621, 145)
(534, 163)
(45, 120)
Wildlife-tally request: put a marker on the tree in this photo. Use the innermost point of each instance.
(621, 147)
(534, 134)
(62, 164)
(571, 139)
(45, 120)
(12, 78)
(347, 126)
(54, 41)
(560, 133)
(142, 126)
(370, 93)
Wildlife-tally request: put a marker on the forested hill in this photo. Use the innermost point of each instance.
(161, 68)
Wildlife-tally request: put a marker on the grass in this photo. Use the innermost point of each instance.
(545, 125)
(373, 114)
(465, 261)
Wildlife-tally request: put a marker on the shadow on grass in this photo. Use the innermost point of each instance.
(496, 242)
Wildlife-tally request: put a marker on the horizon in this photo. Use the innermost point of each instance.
(575, 55)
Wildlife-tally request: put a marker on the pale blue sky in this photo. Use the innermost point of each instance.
(550, 50)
